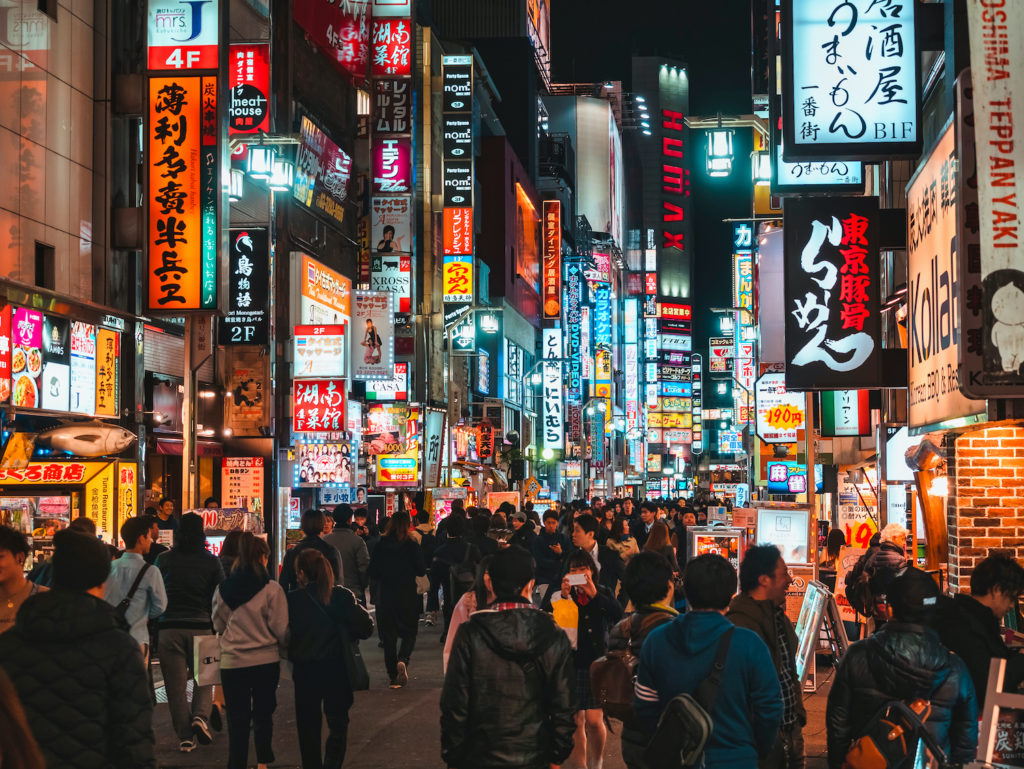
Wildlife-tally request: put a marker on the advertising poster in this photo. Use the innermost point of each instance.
(247, 407)
(786, 528)
(241, 480)
(802, 576)
(26, 357)
(399, 469)
(318, 405)
(319, 351)
(725, 545)
(858, 514)
(373, 336)
(127, 491)
(396, 389)
(393, 273)
(249, 88)
(56, 379)
(341, 30)
(5, 354)
(391, 224)
(182, 34)
(934, 332)
(318, 464)
(108, 394)
(832, 293)
(386, 429)
(322, 172)
(780, 414)
(83, 368)
(552, 255)
(181, 150)
(845, 413)
(101, 504)
(325, 296)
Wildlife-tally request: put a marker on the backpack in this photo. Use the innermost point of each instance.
(858, 589)
(612, 676)
(891, 738)
(462, 575)
(685, 725)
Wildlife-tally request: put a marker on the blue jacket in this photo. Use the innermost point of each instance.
(677, 656)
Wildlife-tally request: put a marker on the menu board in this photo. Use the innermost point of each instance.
(241, 482)
(26, 357)
(319, 351)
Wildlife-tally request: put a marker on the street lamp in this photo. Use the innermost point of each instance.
(719, 152)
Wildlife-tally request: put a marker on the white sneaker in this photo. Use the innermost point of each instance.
(202, 730)
(187, 746)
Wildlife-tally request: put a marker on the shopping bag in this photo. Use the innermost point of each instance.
(206, 660)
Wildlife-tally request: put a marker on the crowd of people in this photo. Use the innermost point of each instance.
(534, 607)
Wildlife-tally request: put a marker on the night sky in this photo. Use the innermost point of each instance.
(593, 40)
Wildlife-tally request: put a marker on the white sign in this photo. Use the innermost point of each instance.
(433, 442)
(672, 342)
(817, 173)
(319, 351)
(391, 224)
(393, 272)
(854, 78)
(552, 409)
(396, 389)
(182, 34)
(383, 9)
(241, 483)
(997, 67)
(373, 335)
(779, 413)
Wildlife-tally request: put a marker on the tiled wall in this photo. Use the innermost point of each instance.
(47, 92)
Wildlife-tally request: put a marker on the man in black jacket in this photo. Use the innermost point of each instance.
(969, 624)
(904, 661)
(312, 527)
(584, 537)
(508, 698)
(78, 672)
(641, 529)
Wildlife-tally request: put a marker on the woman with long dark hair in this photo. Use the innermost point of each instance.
(191, 574)
(250, 613)
(472, 600)
(18, 748)
(323, 619)
(660, 541)
(394, 566)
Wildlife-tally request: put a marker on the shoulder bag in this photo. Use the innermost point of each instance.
(121, 610)
(685, 725)
(355, 665)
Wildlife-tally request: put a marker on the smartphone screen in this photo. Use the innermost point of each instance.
(577, 579)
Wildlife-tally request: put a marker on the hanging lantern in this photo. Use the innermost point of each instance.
(720, 155)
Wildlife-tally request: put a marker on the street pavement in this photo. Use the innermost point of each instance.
(401, 727)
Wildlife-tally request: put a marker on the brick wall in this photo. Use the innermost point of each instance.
(985, 513)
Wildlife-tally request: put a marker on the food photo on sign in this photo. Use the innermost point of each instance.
(386, 427)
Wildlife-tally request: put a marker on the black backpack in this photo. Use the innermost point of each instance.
(462, 575)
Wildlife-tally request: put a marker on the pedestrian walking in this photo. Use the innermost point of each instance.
(969, 625)
(18, 748)
(760, 606)
(650, 582)
(904, 661)
(250, 613)
(355, 558)
(191, 574)
(454, 568)
(78, 672)
(480, 597)
(508, 698)
(596, 611)
(155, 548)
(678, 656)
(312, 528)
(14, 587)
(394, 566)
(868, 580)
(134, 587)
(550, 547)
(323, 620)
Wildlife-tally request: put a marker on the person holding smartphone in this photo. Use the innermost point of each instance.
(597, 611)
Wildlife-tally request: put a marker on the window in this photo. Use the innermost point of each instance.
(49, 7)
(46, 266)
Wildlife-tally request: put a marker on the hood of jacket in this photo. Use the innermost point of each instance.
(241, 587)
(692, 633)
(759, 614)
(911, 657)
(516, 634)
(65, 615)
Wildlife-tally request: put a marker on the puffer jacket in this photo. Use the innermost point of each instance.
(903, 662)
(494, 711)
(761, 616)
(189, 579)
(80, 677)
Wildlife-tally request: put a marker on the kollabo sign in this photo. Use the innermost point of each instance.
(832, 302)
(997, 65)
(934, 288)
(850, 80)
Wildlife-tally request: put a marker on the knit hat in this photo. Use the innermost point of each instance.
(912, 595)
(80, 562)
(521, 517)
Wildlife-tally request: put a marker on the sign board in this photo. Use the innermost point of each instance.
(182, 194)
(324, 464)
(325, 296)
(393, 273)
(249, 88)
(552, 408)
(845, 413)
(373, 335)
(319, 352)
(857, 514)
(780, 414)
(241, 483)
(182, 34)
(390, 47)
(396, 389)
(247, 321)
(832, 301)
(322, 173)
(850, 80)
(318, 405)
(341, 30)
(551, 254)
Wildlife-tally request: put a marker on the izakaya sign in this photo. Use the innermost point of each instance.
(832, 301)
(850, 80)
(182, 34)
(552, 259)
(249, 92)
(248, 284)
(182, 194)
(997, 65)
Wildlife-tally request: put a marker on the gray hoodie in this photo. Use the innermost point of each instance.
(254, 632)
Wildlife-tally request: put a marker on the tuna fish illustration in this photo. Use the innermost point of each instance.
(89, 439)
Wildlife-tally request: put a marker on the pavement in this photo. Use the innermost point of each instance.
(400, 727)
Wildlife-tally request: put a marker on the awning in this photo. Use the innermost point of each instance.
(174, 447)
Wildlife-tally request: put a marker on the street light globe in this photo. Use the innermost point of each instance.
(601, 406)
(548, 453)
(536, 378)
(590, 411)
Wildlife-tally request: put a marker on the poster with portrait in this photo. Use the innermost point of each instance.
(373, 335)
(391, 224)
(323, 464)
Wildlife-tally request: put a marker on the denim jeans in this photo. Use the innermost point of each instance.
(176, 663)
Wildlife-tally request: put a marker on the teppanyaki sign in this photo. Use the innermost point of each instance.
(833, 326)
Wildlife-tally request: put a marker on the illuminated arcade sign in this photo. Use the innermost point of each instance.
(850, 86)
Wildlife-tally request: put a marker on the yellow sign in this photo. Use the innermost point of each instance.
(107, 361)
(458, 279)
(127, 493)
(50, 474)
(99, 503)
(675, 421)
(531, 487)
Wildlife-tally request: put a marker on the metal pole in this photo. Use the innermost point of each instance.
(188, 444)
(812, 519)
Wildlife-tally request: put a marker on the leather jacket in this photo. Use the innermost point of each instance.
(509, 697)
(903, 662)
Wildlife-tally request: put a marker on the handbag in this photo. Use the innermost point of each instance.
(355, 666)
(891, 738)
(685, 726)
(206, 659)
(422, 585)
